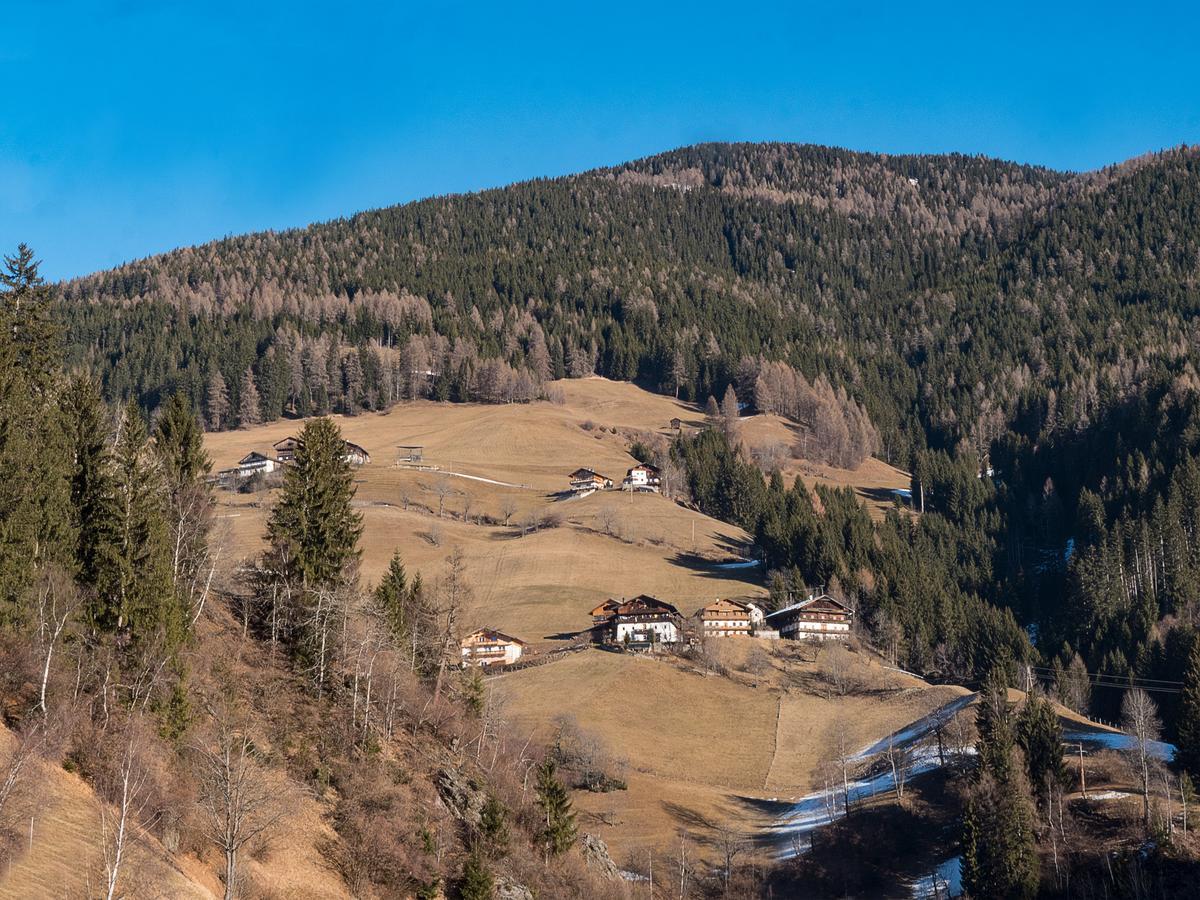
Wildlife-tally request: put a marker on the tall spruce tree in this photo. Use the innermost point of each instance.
(409, 615)
(134, 592)
(93, 498)
(1040, 738)
(314, 529)
(1188, 731)
(179, 449)
(993, 724)
(477, 882)
(179, 442)
(558, 834)
(999, 856)
(34, 457)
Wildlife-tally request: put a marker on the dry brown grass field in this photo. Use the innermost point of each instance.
(692, 745)
(696, 746)
(64, 856)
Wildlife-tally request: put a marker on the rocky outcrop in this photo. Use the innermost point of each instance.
(507, 889)
(461, 794)
(595, 854)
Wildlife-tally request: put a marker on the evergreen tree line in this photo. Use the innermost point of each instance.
(93, 494)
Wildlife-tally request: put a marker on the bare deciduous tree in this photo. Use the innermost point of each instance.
(454, 594)
(238, 802)
(1139, 717)
(842, 753)
(121, 825)
(442, 490)
(508, 509)
(836, 664)
(899, 760)
(731, 845)
(607, 517)
(57, 600)
(683, 865)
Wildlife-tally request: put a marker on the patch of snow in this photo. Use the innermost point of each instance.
(1108, 795)
(739, 564)
(820, 808)
(910, 734)
(946, 881)
(484, 480)
(1116, 740)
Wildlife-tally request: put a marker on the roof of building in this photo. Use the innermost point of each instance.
(813, 600)
(493, 634)
(739, 604)
(351, 446)
(644, 466)
(286, 443)
(644, 604)
(581, 474)
(253, 456)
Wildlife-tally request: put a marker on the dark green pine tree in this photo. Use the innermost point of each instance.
(134, 589)
(476, 882)
(493, 827)
(179, 442)
(179, 449)
(993, 724)
(36, 338)
(393, 596)
(474, 692)
(314, 529)
(1040, 737)
(34, 457)
(999, 857)
(1188, 732)
(93, 498)
(558, 834)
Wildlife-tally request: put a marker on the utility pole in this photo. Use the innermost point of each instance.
(1082, 777)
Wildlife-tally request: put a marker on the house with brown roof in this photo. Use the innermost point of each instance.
(820, 618)
(729, 618)
(584, 481)
(642, 477)
(285, 450)
(356, 455)
(488, 647)
(637, 624)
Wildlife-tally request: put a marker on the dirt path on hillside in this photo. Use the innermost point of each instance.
(774, 742)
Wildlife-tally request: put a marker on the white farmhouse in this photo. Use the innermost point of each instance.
(488, 647)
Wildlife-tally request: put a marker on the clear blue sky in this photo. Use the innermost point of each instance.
(132, 127)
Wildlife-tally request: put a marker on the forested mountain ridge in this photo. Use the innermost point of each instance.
(875, 271)
(982, 313)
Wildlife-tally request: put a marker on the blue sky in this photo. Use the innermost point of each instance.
(132, 127)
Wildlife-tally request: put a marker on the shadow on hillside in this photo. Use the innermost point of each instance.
(706, 568)
(879, 850)
(879, 495)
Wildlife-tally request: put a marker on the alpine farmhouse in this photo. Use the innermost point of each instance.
(488, 647)
(637, 624)
(819, 618)
(729, 618)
